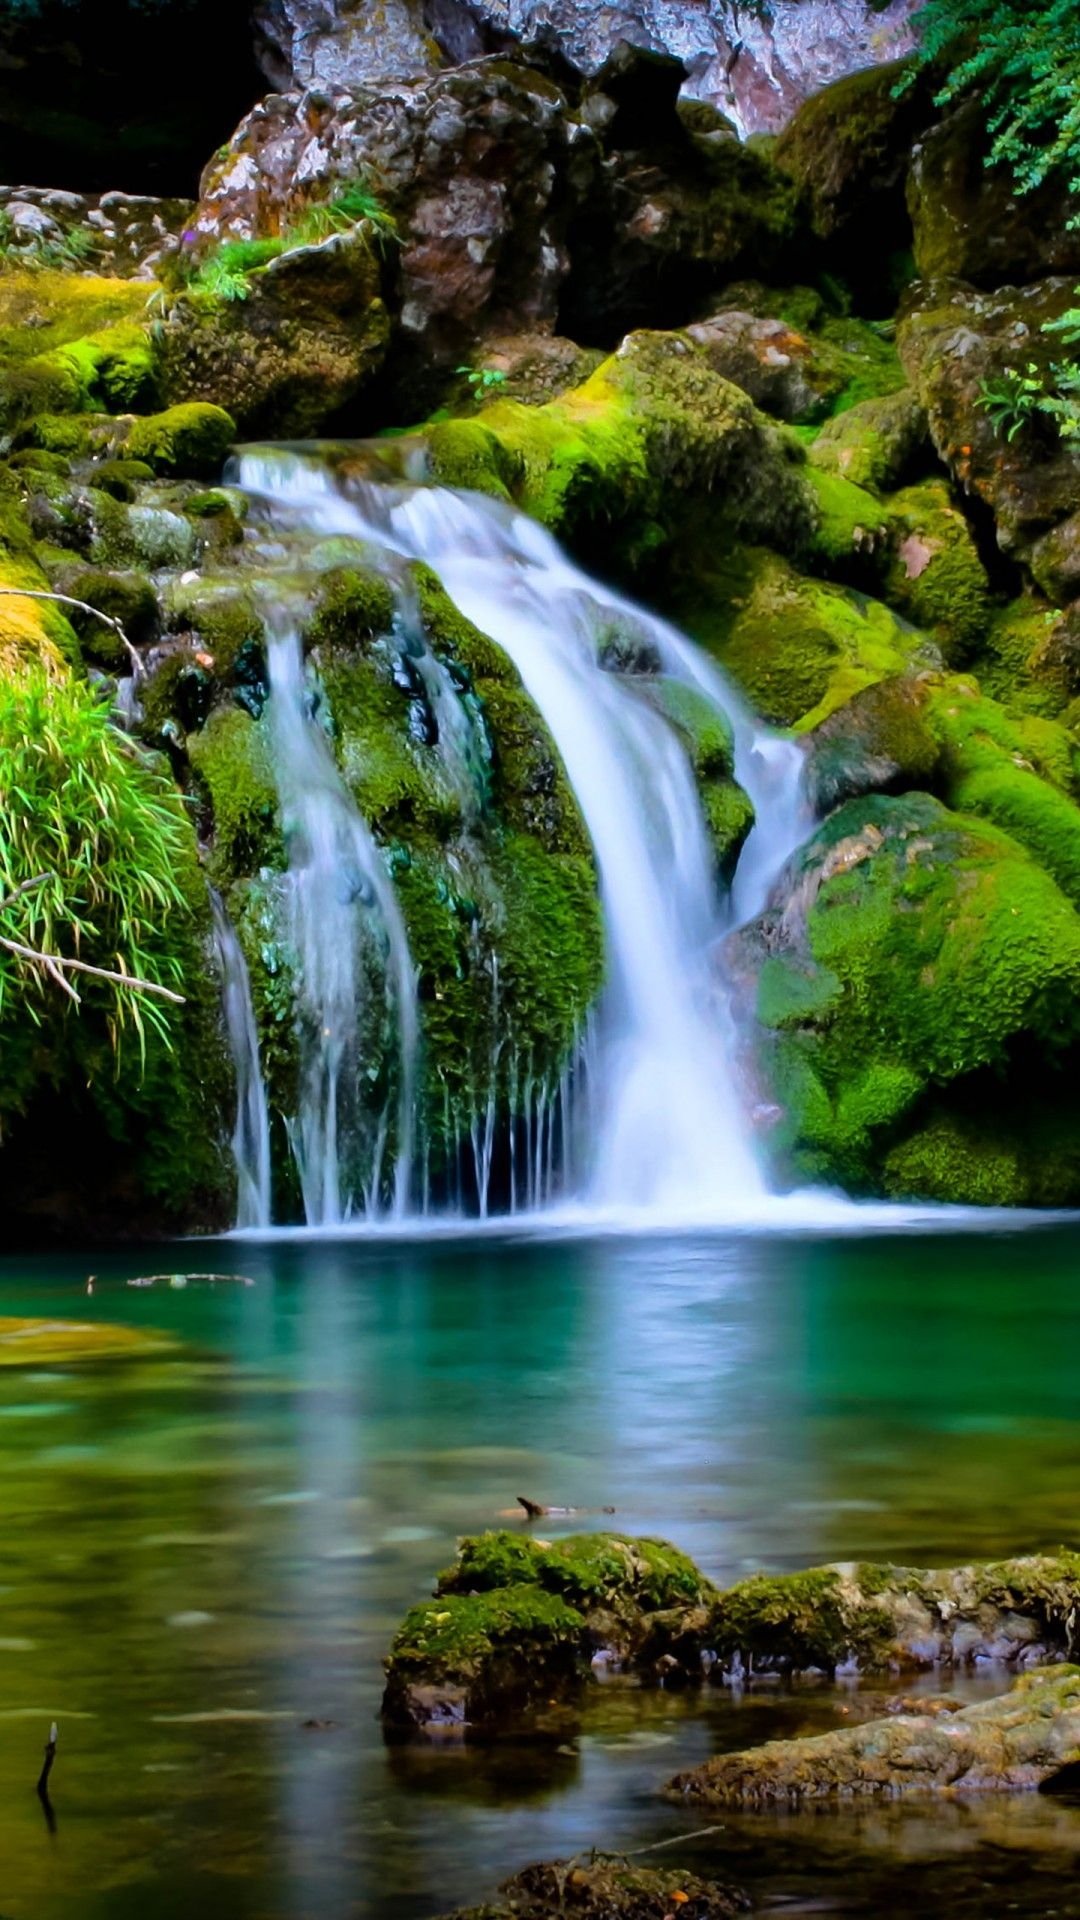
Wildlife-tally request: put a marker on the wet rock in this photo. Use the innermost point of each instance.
(129, 235)
(597, 1888)
(877, 742)
(1009, 1745)
(770, 360)
(515, 1623)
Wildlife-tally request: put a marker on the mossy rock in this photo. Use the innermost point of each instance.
(1021, 1741)
(1021, 772)
(851, 359)
(797, 647)
(653, 427)
(223, 614)
(1029, 658)
(71, 343)
(879, 741)
(879, 444)
(124, 596)
(232, 755)
(121, 478)
(967, 1149)
(607, 1889)
(63, 1343)
(709, 741)
(515, 1622)
(936, 577)
(184, 442)
(908, 949)
(852, 536)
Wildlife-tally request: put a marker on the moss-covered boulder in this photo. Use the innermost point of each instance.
(515, 1624)
(969, 221)
(1010, 1745)
(599, 1888)
(908, 951)
(847, 149)
(797, 647)
(73, 342)
(653, 435)
(954, 341)
(879, 443)
(874, 1618)
(184, 442)
(306, 340)
(879, 741)
(936, 577)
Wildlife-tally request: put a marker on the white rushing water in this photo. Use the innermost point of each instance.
(668, 1135)
(251, 1133)
(339, 891)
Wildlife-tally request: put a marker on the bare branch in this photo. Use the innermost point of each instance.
(25, 886)
(53, 962)
(66, 600)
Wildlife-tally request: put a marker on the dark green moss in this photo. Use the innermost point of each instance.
(232, 756)
(798, 1621)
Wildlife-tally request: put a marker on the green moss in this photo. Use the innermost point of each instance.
(879, 741)
(651, 429)
(798, 1620)
(877, 443)
(232, 757)
(121, 478)
(352, 607)
(126, 597)
(456, 1634)
(797, 647)
(936, 577)
(1021, 772)
(928, 947)
(228, 623)
(588, 1570)
(851, 531)
(188, 441)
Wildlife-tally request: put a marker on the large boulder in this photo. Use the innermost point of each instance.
(970, 222)
(1009, 1745)
(916, 963)
(306, 341)
(953, 341)
(757, 64)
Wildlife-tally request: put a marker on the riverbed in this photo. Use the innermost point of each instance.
(205, 1551)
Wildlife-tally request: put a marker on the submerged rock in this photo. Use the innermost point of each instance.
(36, 1343)
(597, 1888)
(515, 1624)
(1011, 1745)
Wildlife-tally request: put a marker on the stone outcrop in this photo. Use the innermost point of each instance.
(1009, 1745)
(756, 64)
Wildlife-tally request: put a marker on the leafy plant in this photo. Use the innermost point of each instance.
(83, 811)
(483, 380)
(225, 274)
(1022, 58)
(1013, 400)
(343, 210)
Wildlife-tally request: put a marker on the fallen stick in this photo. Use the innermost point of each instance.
(533, 1510)
(50, 1756)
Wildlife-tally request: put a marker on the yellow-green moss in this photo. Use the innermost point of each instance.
(232, 755)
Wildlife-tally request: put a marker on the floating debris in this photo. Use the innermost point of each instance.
(179, 1281)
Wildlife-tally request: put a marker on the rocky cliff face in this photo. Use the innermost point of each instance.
(756, 63)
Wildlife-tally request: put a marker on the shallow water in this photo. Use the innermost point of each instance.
(205, 1550)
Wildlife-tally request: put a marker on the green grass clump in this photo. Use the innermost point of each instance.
(80, 805)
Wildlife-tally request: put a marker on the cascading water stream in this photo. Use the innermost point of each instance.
(251, 1133)
(668, 1135)
(339, 891)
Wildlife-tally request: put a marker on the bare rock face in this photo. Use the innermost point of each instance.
(757, 68)
(124, 234)
(1012, 1745)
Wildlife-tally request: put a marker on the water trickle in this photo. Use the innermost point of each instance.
(251, 1133)
(347, 931)
(666, 1135)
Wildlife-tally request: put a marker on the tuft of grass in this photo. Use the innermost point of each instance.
(81, 805)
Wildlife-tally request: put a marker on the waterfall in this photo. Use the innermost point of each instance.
(251, 1133)
(346, 926)
(667, 1132)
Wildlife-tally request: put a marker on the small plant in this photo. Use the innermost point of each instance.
(57, 250)
(1013, 400)
(343, 210)
(483, 380)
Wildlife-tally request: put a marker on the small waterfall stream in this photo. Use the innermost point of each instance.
(667, 1136)
(340, 899)
(251, 1133)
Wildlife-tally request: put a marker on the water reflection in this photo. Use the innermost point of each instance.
(203, 1555)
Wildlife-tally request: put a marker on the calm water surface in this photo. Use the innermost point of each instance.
(204, 1553)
